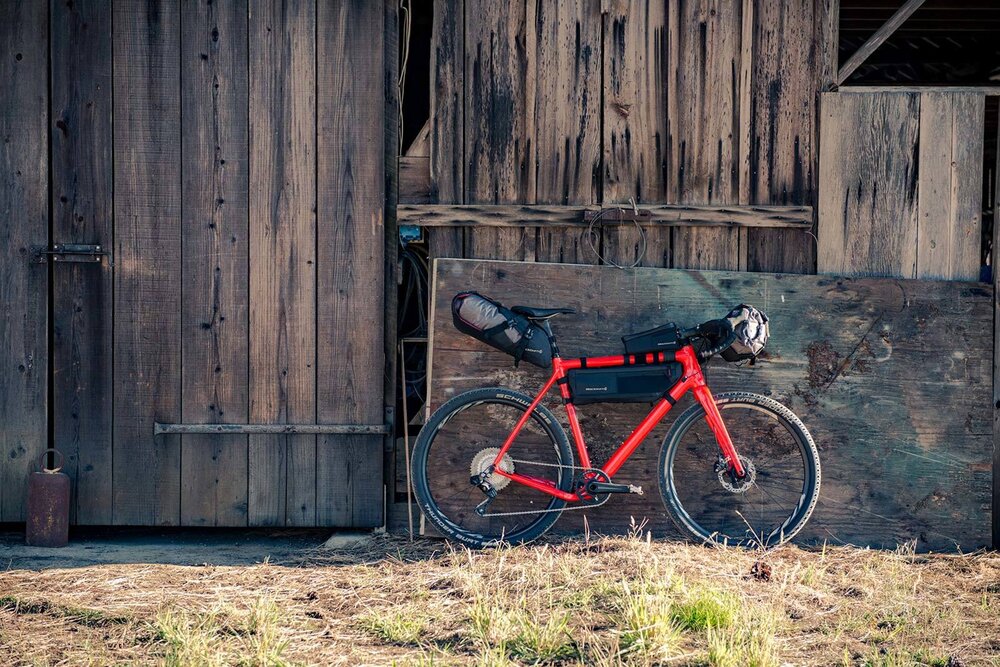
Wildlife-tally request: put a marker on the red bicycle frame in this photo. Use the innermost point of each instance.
(692, 380)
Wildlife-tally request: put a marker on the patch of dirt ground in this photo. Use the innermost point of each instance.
(605, 601)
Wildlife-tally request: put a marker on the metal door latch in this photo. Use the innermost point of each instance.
(70, 252)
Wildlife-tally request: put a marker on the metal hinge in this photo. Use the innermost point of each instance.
(71, 252)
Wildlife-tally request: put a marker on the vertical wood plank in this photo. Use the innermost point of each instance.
(949, 233)
(282, 38)
(82, 213)
(635, 125)
(496, 150)
(147, 336)
(868, 176)
(215, 281)
(704, 124)
(792, 45)
(996, 359)
(447, 135)
(390, 288)
(563, 94)
(24, 219)
(350, 358)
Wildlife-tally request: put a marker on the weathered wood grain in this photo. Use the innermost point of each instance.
(81, 174)
(858, 359)
(216, 243)
(635, 125)
(447, 131)
(147, 201)
(950, 192)
(496, 151)
(415, 180)
(24, 221)
(282, 469)
(868, 175)
(703, 123)
(563, 120)
(665, 215)
(793, 47)
(350, 202)
(996, 360)
(390, 300)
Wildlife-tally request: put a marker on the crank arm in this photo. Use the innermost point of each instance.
(607, 487)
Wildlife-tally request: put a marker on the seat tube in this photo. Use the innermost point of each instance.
(722, 437)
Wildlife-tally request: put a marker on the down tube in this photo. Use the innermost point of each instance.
(635, 439)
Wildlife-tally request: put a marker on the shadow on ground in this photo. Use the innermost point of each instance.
(209, 546)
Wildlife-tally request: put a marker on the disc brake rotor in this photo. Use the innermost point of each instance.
(738, 485)
(484, 458)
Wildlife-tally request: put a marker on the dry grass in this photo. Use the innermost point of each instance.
(612, 601)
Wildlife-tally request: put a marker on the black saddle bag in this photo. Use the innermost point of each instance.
(489, 321)
(627, 384)
(661, 339)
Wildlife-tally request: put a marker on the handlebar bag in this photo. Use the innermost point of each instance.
(662, 338)
(750, 327)
(629, 384)
(499, 327)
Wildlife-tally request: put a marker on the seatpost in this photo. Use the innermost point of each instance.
(552, 337)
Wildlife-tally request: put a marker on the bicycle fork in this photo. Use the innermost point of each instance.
(722, 437)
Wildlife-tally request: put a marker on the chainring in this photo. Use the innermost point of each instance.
(580, 484)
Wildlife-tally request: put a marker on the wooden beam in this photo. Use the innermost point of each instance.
(444, 215)
(876, 40)
(421, 145)
(985, 90)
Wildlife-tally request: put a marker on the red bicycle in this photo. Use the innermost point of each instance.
(493, 465)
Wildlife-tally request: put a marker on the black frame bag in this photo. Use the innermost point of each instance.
(499, 327)
(628, 384)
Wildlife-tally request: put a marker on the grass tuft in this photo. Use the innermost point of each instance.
(748, 641)
(706, 608)
(396, 626)
(648, 628)
(223, 636)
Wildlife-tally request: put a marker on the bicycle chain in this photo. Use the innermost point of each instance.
(607, 497)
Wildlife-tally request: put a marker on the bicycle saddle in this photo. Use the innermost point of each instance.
(541, 313)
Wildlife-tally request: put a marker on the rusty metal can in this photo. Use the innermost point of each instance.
(48, 504)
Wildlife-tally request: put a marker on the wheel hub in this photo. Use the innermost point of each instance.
(729, 481)
(484, 458)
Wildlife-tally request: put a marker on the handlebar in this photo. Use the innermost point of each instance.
(719, 333)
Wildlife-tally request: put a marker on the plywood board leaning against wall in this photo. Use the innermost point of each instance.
(860, 360)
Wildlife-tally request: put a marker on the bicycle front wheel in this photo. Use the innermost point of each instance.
(461, 440)
(771, 503)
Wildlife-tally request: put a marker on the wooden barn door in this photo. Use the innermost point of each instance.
(220, 168)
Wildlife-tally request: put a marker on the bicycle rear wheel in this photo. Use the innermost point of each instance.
(462, 439)
(773, 501)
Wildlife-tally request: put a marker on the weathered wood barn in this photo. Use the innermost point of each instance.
(223, 222)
